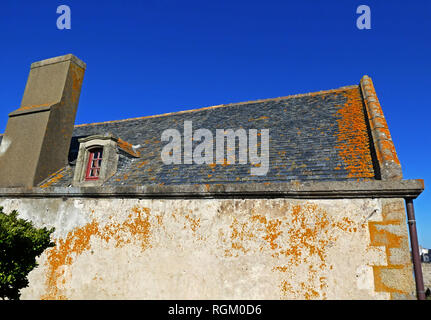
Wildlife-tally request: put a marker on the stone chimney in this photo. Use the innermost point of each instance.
(38, 134)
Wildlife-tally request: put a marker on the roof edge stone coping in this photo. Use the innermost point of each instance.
(388, 162)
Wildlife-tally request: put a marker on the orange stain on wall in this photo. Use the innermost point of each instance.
(194, 223)
(241, 233)
(136, 228)
(301, 236)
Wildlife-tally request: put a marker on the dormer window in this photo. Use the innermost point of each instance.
(94, 164)
(98, 158)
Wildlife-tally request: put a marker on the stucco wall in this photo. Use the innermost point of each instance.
(220, 249)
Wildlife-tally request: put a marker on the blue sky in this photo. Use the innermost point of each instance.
(151, 57)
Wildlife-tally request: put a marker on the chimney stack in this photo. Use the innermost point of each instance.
(38, 134)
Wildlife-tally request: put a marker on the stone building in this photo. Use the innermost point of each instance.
(326, 220)
(425, 254)
(426, 268)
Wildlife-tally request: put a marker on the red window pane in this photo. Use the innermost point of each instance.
(94, 164)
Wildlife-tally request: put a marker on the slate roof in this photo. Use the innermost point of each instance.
(321, 136)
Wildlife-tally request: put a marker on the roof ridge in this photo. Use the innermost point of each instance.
(225, 105)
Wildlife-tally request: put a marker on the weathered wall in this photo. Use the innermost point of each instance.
(426, 271)
(220, 249)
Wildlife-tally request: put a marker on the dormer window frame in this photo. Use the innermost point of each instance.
(108, 165)
(94, 164)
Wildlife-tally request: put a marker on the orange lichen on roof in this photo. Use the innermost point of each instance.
(127, 147)
(53, 177)
(352, 138)
(260, 118)
(143, 163)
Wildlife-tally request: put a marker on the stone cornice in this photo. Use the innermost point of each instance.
(295, 189)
